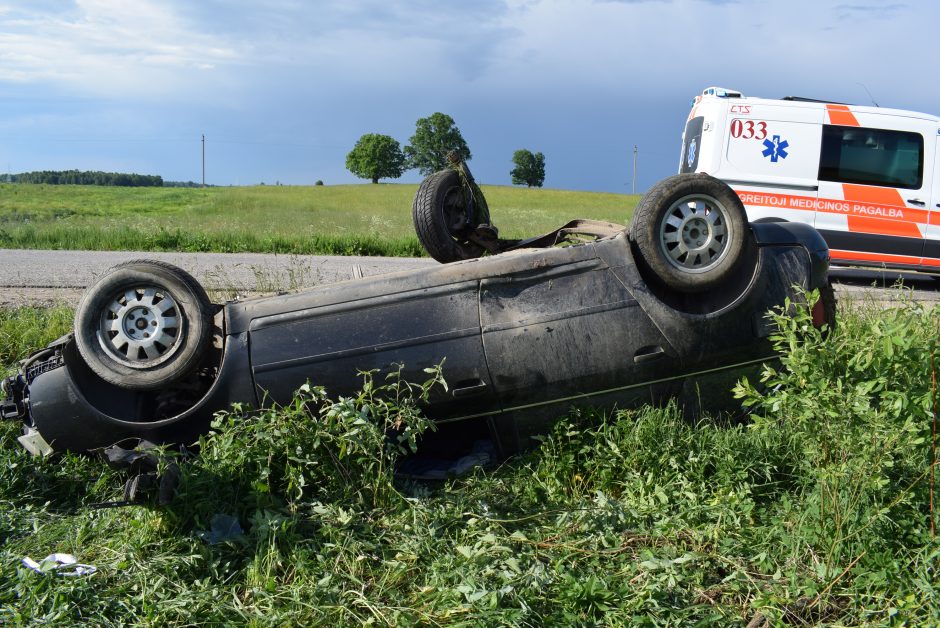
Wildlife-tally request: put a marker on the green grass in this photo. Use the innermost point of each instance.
(25, 329)
(344, 219)
(814, 511)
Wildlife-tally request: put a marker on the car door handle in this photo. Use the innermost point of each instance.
(916, 201)
(647, 353)
(474, 387)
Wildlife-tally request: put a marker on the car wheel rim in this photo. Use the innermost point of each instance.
(141, 327)
(454, 214)
(695, 233)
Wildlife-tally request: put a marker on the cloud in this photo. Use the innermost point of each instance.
(105, 46)
(160, 48)
(862, 12)
(717, 2)
(370, 40)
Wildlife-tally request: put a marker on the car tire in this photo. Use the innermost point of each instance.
(691, 231)
(143, 325)
(439, 217)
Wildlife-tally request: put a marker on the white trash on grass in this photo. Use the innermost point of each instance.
(60, 564)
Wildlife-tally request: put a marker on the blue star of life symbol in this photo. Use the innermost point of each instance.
(775, 149)
(690, 159)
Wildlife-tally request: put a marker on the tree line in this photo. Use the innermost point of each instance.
(376, 156)
(77, 177)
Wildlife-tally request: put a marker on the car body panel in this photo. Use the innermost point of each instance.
(75, 410)
(417, 328)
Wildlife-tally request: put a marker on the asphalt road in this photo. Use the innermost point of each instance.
(883, 286)
(47, 277)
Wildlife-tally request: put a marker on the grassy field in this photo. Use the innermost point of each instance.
(343, 219)
(816, 510)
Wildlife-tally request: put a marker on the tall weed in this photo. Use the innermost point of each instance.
(312, 450)
(857, 406)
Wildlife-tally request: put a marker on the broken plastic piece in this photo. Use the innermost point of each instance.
(61, 565)
(34, 443)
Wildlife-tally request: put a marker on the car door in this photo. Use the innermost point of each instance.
(328, 344)
(875, 177)
(567, 333)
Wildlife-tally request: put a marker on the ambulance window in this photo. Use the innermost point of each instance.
(852, 154)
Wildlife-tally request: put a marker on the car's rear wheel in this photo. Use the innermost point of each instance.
(691, 231)
(440, 218)
(143, 325)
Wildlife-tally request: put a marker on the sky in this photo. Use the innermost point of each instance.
(282, 89)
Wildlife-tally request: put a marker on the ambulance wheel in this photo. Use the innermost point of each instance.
(691, 232)
(143, 325)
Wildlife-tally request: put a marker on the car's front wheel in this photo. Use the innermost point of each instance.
(691, 231)
(143, 325)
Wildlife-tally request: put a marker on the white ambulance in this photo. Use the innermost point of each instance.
(867, 178)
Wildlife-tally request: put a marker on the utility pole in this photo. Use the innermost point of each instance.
(203, 160)
(634, 168)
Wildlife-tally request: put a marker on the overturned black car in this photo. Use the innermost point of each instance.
(592, 314)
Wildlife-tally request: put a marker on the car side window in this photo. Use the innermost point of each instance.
(883, 157)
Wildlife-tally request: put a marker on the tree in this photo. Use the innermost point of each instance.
(434, 137)
(76, 177)
(529, 170)
(376, 157)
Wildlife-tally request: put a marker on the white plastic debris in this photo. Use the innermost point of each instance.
(60, 564)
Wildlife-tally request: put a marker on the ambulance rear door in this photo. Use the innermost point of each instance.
(875, 177)
(700, 142)
(931, 260)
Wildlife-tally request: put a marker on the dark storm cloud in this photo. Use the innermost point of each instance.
(465, 33)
